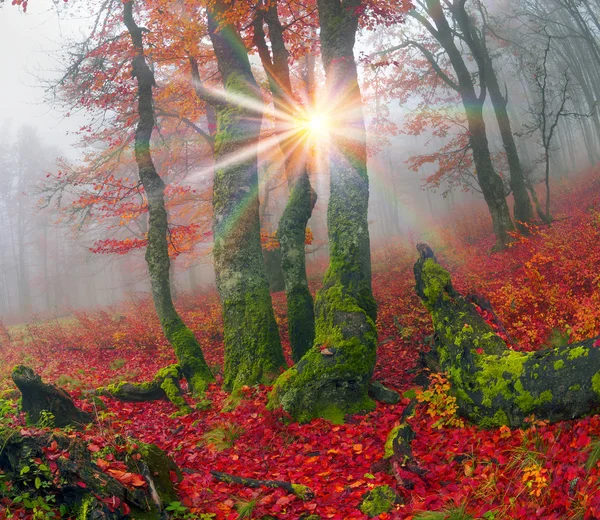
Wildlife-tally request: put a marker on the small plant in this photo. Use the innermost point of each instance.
(594, 456)
(223, 437)
(458, 513)
(46, 419)
(176, 509)
(116, 364)
(441, 404)
(245, 508)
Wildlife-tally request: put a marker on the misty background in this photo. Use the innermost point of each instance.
(46, 263)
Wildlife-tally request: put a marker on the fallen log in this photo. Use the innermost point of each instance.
(302, 492)
(495, 385)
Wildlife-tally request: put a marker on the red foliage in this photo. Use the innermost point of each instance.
(546, 281)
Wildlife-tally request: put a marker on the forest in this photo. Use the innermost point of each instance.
(300, 259)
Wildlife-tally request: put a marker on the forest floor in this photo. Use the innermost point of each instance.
(545, 289)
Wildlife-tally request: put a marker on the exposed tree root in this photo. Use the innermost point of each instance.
(302, 492)
(165, 385)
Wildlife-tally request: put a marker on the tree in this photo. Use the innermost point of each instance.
(436, 23)
(253, 351)
(187, 348)
(331, 380)
(292, 225)
(547, 111)
(476, 40)
(493, 384)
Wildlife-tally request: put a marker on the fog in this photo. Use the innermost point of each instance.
(47, 266)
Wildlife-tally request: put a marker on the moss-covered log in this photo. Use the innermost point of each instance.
(495, 385)
(292, 236)
(253, 352)
(332, 379)
(186, 346)
(60, 466)
(38, 396)
(165, 385)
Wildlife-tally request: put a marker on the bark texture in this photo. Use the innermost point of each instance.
(253, 351)
(332, 378)
(292, 235)
(295, 148)
(38, 396)
(495, 385)
(187, 348)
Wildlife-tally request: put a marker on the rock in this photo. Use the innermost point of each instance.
(380, 393)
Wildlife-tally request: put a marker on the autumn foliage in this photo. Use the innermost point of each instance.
(543, 289)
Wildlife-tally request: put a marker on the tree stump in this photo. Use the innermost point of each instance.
(39, 396)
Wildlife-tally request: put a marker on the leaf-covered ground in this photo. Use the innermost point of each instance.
(545, 289)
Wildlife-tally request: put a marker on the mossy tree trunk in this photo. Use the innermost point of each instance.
(294, 145)
(523, 210)
(292, 235)
(187, 348)
(495, 385)
(332, 378)
(253, 352)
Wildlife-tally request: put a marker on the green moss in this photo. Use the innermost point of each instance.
(389, 441)
(173, 393)
(577, 352)
(335, 385)
(498, 375)
(189, 355)
(253, 353)
(160, 466)
(499, 419)
(302, 492)
(86, 507)
(380, 499)
(559, 364)
(576, 387)
(596, 383)
(437, 280)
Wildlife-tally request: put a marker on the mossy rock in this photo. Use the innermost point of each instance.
(378, 500)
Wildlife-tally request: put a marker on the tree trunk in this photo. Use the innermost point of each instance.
(493, 384)
(253, 351)
(187, 348)
(295, 148)
(523, 210)
(332, 379)
(292, 236)
(490, 182)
